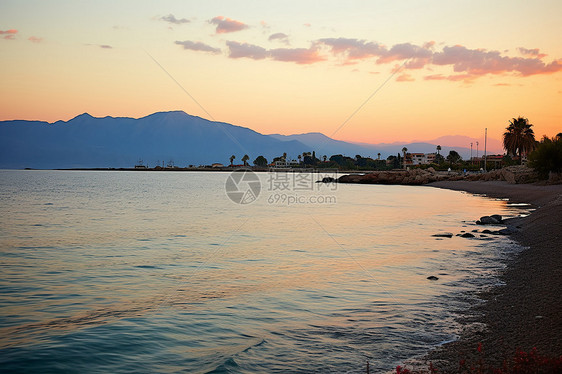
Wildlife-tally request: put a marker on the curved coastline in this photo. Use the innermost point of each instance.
(526, 312)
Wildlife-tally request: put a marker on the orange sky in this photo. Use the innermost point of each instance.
(430, 68)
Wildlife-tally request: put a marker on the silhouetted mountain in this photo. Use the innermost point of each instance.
(87, 141)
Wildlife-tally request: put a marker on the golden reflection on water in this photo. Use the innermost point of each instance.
(86, 249)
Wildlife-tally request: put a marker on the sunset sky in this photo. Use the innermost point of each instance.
(450, 67)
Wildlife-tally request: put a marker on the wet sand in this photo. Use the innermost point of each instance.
(527, 311)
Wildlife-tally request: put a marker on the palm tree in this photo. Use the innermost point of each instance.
(404, 150)
(245, 160)
(232, 159)
(519, 138)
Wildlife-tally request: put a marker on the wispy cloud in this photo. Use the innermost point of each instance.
(264, 25)
(35, 39)
(405, 78)
(170, 18)
(103, 46)
(241, 50)
(353, 49)
(302, 56)
(226, 25)
(420, 56)
(467, 78)
(197, 46)
(9, 34)
(254, 52)
(279, 36)
(535, 52)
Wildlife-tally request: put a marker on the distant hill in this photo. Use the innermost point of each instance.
(325, 145)
(90, 142)
(86, 141)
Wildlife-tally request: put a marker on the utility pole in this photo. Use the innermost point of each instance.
(471, 154)
(477, 153)
(485, 142)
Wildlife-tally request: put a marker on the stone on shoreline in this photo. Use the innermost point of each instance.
(497, 217)
(487, 220)
(507, 231)
(417, 176)
(443, 235)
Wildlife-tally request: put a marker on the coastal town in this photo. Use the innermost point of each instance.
(308, 160)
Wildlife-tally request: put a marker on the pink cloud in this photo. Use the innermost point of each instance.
(470, 62)
(226, 25)
(240, 50)
(467, 78)
(435, 77)
(482, 62)
(35, 39)
(467, 64)
(9, 34)
(197, 46)
(298, 55)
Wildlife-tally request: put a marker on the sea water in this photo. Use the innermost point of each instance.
(119, 272)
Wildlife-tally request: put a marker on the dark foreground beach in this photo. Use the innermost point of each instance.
(526, 312)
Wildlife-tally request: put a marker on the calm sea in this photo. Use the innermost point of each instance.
(120, 272)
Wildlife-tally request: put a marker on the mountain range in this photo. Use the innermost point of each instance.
(91, 142)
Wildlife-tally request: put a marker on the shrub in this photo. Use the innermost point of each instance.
(547, 157)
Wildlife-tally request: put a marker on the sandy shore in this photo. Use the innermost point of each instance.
(527, 311)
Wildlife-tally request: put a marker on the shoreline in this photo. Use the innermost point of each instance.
(525, 312)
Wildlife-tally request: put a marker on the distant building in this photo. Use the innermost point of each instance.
(413, 159)
(140, 165)
(497, 160)
(217, 165)
(285, 164)
(430, 158)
